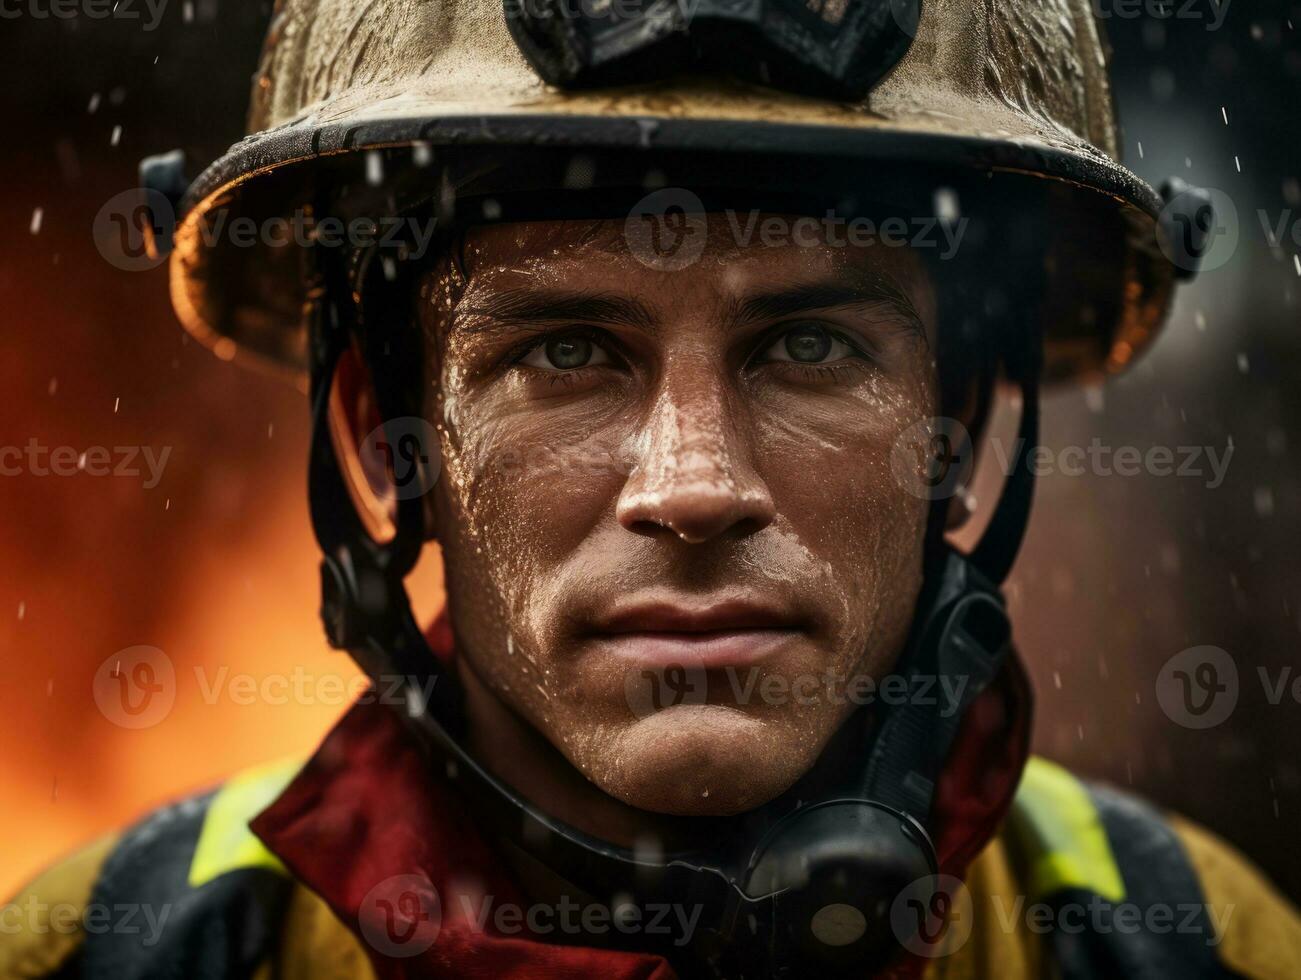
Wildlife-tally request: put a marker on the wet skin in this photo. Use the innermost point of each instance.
(679, 477)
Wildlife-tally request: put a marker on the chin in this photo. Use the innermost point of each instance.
(702, 760)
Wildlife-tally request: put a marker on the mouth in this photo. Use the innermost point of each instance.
(708, 635)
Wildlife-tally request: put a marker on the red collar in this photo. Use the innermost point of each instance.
(385, 843)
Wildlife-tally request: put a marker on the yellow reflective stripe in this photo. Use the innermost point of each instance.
(225, 842)
(1061, 836)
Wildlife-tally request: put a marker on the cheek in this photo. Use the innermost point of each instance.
(521, 491)
(858, 520)
(845, 442)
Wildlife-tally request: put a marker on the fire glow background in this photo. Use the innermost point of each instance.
(216, 565)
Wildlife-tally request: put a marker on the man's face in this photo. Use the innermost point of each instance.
(672, 532)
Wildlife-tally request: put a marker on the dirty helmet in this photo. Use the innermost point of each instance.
(1004, 104)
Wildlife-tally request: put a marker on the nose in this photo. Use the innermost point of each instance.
(693, 473)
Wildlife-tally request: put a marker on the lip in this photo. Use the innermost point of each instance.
(725, 633)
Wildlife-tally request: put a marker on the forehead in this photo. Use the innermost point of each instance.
(689, 261)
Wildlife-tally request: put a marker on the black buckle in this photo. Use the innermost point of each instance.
(1188, 220)
(828, 49)
(164, 181)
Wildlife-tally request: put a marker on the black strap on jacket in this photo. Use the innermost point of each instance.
(1161, 930)
(222, 930)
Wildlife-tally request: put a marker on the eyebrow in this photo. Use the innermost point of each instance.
(860, 290)
(533, 306)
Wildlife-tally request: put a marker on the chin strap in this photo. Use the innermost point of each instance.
(1001, 542)
(962, 637)
(364, 604)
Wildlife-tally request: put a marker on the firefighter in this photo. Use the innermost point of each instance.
(676, 327)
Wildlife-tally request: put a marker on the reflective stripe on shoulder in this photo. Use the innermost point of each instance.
(1057, 829)
(225, 841)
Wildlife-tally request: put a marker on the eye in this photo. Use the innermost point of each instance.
(567, 352)
(809, 343)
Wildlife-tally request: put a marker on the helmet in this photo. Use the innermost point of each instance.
(1007, 99)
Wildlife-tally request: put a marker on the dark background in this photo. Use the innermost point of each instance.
(216, 565)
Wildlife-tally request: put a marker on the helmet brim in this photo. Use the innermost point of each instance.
(1109, 284)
